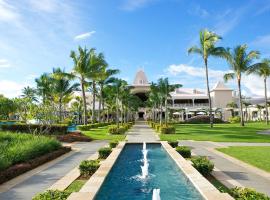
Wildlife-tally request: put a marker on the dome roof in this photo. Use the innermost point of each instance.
(140, 78)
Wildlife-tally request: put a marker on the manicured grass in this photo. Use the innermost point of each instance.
(102, 134)
(18, 147)
(75, 186)
(256, 156)
(220, 132)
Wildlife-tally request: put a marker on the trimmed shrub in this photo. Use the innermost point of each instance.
(113, 144)
(202, 119)
(55, 129)
(157, 127)
(203, 165)
(88, 167)
(167, 130)
(114, 130)
(235, 119)
(104, 152)
(247, 194)
(88, 127)
(173, 143)
(184, 151)
(52, 195)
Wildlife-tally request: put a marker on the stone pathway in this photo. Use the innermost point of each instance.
(141, 132)
(44, 179)
(233, 169)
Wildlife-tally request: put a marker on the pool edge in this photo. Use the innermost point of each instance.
(205, 188)
(92, 186)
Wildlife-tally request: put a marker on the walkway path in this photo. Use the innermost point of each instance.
(236, 173)
(141, 132)
(45, 178)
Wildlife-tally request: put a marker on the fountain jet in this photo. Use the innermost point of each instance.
(156, 194)
(145, 162)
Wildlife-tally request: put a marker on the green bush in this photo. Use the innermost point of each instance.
(18, 148)
(157, 127)
(167, 130)
(173, 143)
(88, 167)
(247, 194)
(203, 165)
(235, 119)
(52, 195)
(114, 130)
(113, 144)
(88, 127)
(30, 128)
(184, 151)
(104, 152)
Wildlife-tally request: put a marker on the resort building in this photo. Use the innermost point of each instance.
(187, 102)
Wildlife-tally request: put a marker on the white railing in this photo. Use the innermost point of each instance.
(190, 105)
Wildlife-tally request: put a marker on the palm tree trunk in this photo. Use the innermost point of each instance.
(265, 96)
(94, 102)
(60, 110)
(117, 112)
(84, 103)
(166, 114)
(208, 94)
(160, 116)
(240, 102)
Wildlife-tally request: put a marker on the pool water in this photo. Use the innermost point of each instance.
(124, 181)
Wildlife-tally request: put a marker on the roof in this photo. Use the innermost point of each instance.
(221, 86)
(183, 93)
(140, 78)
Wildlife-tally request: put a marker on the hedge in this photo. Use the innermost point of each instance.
(113, 144)
(184, 151)
(88, 167)
(52, 195)
(114, 130)
(247, 194)
(167, 130)
(88, 127)
(203, 165)
(37, 128)
(173, 143)
(104, 152)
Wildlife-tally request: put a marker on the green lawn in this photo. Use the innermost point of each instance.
(256, 156)
(76, 185)
(220, 133)
(102, 134)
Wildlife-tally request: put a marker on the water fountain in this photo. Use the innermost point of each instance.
(145, 162)
(156, 195)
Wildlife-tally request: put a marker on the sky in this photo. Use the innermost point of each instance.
(153, 35)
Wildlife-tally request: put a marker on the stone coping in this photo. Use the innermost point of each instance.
(92, 186)
(206, 189)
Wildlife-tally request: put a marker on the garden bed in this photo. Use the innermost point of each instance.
(73, 137)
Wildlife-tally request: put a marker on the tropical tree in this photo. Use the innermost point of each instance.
(231, 106)
(165, 88)
(263, 70)
(259, 108)
(246, 104)
(205, 49)
(154, 100)
(62, 88)
(81, 71)
(29, 93)
(44, 87)
(7, 106)
(240, 61)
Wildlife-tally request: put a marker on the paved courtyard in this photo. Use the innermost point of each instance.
(236, 173)
(42, 180)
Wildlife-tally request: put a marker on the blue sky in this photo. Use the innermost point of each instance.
(37, 35)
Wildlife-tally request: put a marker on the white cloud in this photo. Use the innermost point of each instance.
(11, 88)
(45, 5)
(198, 11)
(84, 35)
(130, 5)
(176, 70)
(262, 41)
(8, 13)
(255, 85)
(4, 63)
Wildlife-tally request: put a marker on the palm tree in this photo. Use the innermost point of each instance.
(240, 61)
(263, 70)
(61, 88)
(231, 106)
(207, 48)
(29, 93)
(259, 107)
(104, 78)
(165, 89)
(246, 104)
(81, 71)
(43, 86)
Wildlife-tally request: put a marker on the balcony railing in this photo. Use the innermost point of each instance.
(189, 105)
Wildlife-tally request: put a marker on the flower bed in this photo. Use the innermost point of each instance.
(73, 137)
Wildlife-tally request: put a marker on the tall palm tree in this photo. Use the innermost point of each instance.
(165, 89)
(263, 70)
(205, 49)
(239, 61)
(29, 93)
(104, 78)
(81, 71)
(43, 86)
(62, 88)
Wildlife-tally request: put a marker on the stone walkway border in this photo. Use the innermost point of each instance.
(92, 186)
(206, 189)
